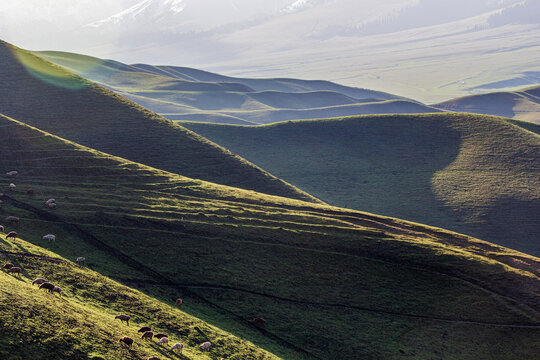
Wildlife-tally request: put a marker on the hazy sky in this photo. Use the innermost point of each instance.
(383, 44)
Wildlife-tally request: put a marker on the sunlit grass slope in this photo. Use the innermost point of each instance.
(522, 105)
(190, 94)
(81, 323)
(42, 94)
(475, 174)
(331, 283)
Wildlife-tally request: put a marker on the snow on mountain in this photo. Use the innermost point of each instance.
(146, 10)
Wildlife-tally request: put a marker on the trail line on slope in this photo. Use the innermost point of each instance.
(85, 236)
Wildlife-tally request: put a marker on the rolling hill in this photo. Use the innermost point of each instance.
(180, 93)
(45, 95)
(522, 104)
(80, 324)
(474, 174)
(330, 282)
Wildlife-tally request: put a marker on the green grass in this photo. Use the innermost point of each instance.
(47, 96)
(332, 283)
(81, 325)
(473, 174)
(522, 104)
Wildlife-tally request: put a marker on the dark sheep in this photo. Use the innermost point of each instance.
(147, 335)
(160, 335)
(11, 235)
(123, 317)
(47, 286)
(12, 220)
(14, 270)
(259, 321)
(144, 329)
(126, 341)
(178, 302)
(39, 281)
(30, 192)
(7, 266)
(153, 358)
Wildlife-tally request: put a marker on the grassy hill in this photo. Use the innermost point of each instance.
(81, 323)
(474, 174)
(330, 282)
(45, 95)
(521, 105)
(180, 93)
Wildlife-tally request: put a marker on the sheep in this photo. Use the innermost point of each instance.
(160, 335)
(177, 347)
(80, 260)
(258, 321)
(7, 266)
(11, 235)
(147, 335)
(126, 341)
(57, 290)
(47, 286)
(178, 302)
(1, 228)
(205, 345)
(153, 358)
(14, 270)
(12, 186)
(39, 281)
(30, 192)
(163, 341)
(123, 317)
(144, 329)
(12, 173)
(50, 237)
(51, 203)
(12, 220)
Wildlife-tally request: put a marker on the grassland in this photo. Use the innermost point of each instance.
(180, 93)
(42, 94)
(474, 174)
(80, 324)
(331, 283)
(521, 104)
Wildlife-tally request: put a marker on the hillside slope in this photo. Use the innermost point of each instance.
(44, 95)
(81, 323)
(181, 93)
(330, 282)
(474, 174)
(522, 105)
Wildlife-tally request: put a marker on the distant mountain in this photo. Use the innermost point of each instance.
(475, 174)
(181, 93)
(521, 105)
(53, 99)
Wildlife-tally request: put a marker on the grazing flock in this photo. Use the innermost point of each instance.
(125, 341)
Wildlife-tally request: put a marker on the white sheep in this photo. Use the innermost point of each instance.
(50, 237)
(12, 186)
(163, 341)
(80, 260)
(1, 228)
(51, 203)
(12, 173)
(205, 345)
(57, 289)
(177, 347)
